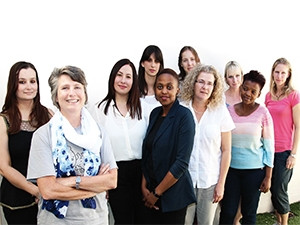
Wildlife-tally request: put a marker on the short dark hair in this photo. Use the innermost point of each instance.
(167, 71)
(255, 76)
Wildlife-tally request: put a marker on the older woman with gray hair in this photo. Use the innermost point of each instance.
(203, 95)
(70, 158)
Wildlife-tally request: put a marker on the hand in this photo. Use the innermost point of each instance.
(290, 162)
(150, 200)
(218, 193)
(265, 185)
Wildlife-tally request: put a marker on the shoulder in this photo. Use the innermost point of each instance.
(43, 130)
(294, 96)
(50, 112)
(3, 124)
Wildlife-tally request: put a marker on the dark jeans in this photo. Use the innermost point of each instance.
(280, 179)
(153, 216)
(244, 185)
(126, 200)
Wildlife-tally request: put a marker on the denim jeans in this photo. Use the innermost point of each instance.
(244, 185)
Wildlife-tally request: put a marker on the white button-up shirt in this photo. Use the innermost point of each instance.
(126, 134)
(205, 160)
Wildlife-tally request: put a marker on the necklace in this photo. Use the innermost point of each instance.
(278, 96)
(198, 111)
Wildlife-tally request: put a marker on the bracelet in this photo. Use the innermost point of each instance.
(293, 155)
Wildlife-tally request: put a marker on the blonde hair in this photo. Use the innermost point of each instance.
(188, 87)
(288, 83)
(230, 65)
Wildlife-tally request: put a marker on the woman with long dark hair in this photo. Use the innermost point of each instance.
(124, 117)
(22, 113)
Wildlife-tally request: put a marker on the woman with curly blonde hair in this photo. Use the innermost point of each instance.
(203, 95)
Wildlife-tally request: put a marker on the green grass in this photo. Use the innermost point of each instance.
(269, 218)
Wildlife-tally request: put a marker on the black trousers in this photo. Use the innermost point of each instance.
(153, 216)
(21, 216)
(126, 200)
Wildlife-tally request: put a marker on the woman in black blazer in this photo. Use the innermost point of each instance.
(167, 186)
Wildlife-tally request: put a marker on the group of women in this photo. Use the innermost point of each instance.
(162, 148)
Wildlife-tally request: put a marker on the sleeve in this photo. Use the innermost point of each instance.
(295, 98)
(227, 123)
(268, 139)
(267, 98)
(40, 162)
(106, 152)
(184, 144)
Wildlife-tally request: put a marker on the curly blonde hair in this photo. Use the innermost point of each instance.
(188, 87)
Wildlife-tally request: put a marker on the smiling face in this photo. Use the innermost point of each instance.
(250, 91)
(27, 85)
(166, 90)
(123, 80)
(70, 95)
(204, 86)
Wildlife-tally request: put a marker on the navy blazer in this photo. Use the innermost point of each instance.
(171, 151)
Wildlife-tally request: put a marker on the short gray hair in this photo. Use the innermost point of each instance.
(75, 73)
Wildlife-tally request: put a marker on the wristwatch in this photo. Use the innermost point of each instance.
(156, 195)
(78, 180)
(293, 155)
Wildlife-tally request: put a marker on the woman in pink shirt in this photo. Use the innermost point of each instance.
(283, 103)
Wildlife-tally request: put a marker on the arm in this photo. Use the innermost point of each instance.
(7, 171)
(168, 181)
(105, 180)
(225, 163)
(50, 188)
(266, 184)
(290, 163)
(269, 148)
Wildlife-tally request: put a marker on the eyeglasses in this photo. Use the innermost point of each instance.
(203, 83)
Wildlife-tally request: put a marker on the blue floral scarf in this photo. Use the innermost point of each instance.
(90, 141)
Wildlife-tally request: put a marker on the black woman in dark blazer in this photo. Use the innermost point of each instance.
(167, 186)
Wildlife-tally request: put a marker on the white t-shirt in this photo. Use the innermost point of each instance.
(126, 134)
(41, 164)
(205, 160)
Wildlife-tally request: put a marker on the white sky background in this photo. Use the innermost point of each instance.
(94, 35)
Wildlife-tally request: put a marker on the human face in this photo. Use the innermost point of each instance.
(27, 85)
(250, 91)
(70, 95)
(166, 90)
(123, 80)
(234, 77)
(151, 66)
(204, 86)
(188, 61)
(280, 74)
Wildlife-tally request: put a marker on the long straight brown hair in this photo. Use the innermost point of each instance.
(39, 114)
(133, 101)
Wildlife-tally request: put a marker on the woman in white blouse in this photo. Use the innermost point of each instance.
(124, 119)
(202, 92)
